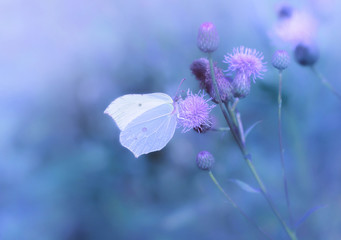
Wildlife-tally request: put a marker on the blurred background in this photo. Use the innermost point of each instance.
(63, 172)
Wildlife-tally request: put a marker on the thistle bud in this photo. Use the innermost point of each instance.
(199, 68)
(306, 55)
(205, 160)
(280, 59)
(208, 39)
(202, 71)
(285, 11)
(241, 85)
(223, 83)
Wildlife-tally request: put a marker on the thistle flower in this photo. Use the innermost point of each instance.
(245, 63)
(208, 39)
(201, 70)
(295, 27)
(306, 55)
(205, 160)
(280, 60)
(194, 112)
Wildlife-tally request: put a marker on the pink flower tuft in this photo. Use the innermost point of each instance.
(246, 61)
(194, 112)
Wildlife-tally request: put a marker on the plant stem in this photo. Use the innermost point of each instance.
(284, 175)
(325, 82)
(247, 156)
(231, 112)
(235, 205)
(240, 127)
(232, 127)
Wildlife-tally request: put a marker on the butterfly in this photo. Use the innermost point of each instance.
(147, 121)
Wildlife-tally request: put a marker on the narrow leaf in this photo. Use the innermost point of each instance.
(251, 127)
(244, 186)
(308, 213)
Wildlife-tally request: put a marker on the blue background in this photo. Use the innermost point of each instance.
(63, 172)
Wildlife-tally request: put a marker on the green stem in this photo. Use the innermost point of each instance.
(284, 175)
(265, 193)
(240, 127)
(231, 112)
(325, 82)
(235, 205)
(231, 126)
(246, 156)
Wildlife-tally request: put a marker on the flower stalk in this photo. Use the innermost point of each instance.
(236, 206)
(284, 175)
(247, 157)
(325, 82)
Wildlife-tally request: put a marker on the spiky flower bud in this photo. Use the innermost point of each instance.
(202, 71)
(224, 86)
(280, 59)
(194, 112)
(199, 68)
(208, 39)
(306, 55)
(241, 85)
(205, 160)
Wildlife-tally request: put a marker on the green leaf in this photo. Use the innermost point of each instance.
(244, 186)
(251, 127)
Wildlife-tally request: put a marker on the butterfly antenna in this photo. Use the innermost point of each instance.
(176, 97)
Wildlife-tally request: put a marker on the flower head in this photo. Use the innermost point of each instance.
(205, 160)
(297, 27)
(194, 112)
(306, 55)
(208, 39)
(280, 59)
(246, 61)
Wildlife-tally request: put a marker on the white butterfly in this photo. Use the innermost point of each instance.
(147, 121)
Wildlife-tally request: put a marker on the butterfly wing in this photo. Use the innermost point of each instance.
(128, 107)
(150, 131)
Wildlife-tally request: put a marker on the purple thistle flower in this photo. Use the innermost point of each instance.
(246, 61)
(299, 27)
(194, 112)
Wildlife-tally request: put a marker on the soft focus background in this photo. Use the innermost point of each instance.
(63, 172)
